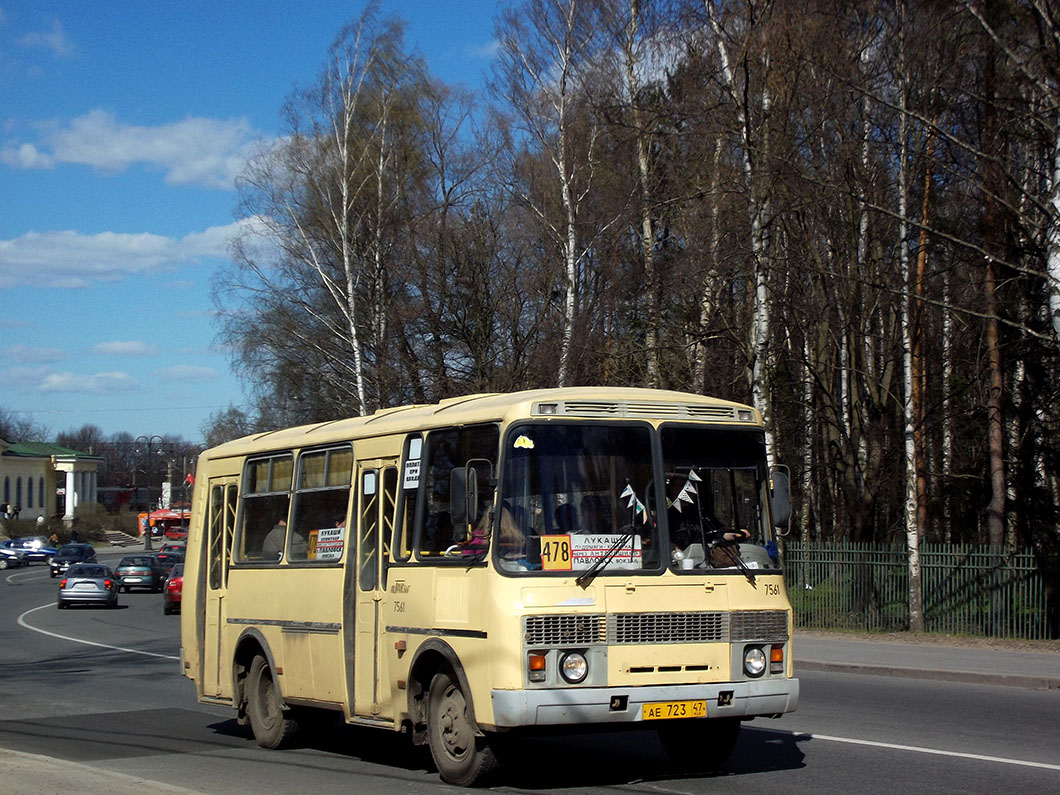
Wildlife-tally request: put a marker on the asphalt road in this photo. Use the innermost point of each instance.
(101, 689)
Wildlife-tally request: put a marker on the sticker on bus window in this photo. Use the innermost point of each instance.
(578, 552)
(555, 553)
(524, 442)
(327, 543)
(412, 474)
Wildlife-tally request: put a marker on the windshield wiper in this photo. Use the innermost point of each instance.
(732, 552)
(587, 576)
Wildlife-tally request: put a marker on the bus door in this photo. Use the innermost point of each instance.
(376, 499)
(220, 528)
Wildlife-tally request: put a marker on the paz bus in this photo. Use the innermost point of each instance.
(496, 565)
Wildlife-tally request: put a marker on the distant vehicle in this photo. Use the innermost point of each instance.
(34, 547)
(69, 554)
(171, 591)
(170, 547)
(170, 558)
(88, 583)
(140, 571)
(10, 558)
(177, 532)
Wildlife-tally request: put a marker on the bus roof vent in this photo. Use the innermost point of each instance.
(622, 408)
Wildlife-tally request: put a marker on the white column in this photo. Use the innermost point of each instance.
(69, 515)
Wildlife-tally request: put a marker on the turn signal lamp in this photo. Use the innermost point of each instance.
(776, 659)
(536, 668)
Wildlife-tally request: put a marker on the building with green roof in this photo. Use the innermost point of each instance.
(45, 480)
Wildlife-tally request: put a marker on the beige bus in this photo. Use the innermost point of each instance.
(496, 565)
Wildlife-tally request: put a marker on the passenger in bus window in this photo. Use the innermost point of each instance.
(566, 518)
(692, 520)
(272, 547)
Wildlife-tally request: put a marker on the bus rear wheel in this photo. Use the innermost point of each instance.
(273, 726)
(462, 757)
(700, 745)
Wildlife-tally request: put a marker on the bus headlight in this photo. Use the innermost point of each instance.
(574, 667)
(754, 661)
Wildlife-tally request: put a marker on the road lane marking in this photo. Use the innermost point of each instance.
(11, 577)
(935, 751)
(22, 623)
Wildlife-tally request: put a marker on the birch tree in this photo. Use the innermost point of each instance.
(315, 254)
(543, 45)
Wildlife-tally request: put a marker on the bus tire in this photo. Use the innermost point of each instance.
(273, 726)
(462, 757)
(700, 745)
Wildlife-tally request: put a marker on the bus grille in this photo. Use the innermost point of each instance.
(563, 630)
(765, 625)
(655, 628)
(627, 628)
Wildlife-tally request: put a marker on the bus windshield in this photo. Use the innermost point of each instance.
(574, 494)
(715, 485)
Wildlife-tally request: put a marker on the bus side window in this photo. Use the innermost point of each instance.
(266, 503)
(321, 501)
(448, 449)
(405, 520)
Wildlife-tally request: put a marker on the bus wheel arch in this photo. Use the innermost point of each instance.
(434, 657)
(251, 644)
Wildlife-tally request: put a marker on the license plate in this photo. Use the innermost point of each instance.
(662, 710)
(132, 579)
(84, 586)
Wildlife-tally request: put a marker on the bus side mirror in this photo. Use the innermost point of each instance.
(465, 484)
(462, 485)
(780, 496)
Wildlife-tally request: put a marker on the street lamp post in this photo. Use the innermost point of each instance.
(148, 441)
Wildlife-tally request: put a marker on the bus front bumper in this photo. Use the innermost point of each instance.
(595, 705)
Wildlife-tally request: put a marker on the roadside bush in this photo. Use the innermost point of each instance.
(90, 522)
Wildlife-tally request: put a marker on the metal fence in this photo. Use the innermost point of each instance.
(967, 590)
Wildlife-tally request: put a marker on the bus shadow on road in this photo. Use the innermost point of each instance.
(538, 762)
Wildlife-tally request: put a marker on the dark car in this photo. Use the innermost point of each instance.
(34, 547)
(10, 558)
(69, 554)
(140, 571)
(172, 589)
(88, 583)
(169, 557)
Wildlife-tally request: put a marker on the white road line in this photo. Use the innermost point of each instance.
(917, 749)
(11, 577)
(22, 623)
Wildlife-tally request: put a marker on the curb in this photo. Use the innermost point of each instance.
(1027, 682)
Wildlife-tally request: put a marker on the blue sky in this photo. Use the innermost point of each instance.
(122, 126)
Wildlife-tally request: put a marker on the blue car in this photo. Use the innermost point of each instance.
(32, 547)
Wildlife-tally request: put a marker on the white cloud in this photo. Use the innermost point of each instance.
(186, 373)
(26, 354)
(194, 151)
(488, 50)
(132, 348)
(97, 384)
(71, 259)
(54, 40)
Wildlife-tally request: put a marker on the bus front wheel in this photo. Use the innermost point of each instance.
(272, 725)
(462, 757)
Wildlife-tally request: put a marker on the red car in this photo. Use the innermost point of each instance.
(171, 590)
